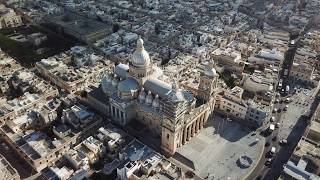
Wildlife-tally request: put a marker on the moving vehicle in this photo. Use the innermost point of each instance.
(292, 42)
(280, 84)
(271, 127)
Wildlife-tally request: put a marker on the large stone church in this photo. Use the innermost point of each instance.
(137, 92)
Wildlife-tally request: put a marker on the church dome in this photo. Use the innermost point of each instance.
(140, 57)
(211, 72)
(128, 89)
(209, 69)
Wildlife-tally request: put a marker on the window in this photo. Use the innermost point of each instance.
(168, 136)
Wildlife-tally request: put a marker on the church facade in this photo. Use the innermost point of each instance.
(137, 92)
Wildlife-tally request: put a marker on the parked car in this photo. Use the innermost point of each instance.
(272, 119)
(268, 162)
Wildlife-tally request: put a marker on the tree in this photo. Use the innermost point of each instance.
(157, 28)
(115, 27)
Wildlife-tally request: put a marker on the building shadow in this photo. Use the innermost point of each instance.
(143, 134)
(184, 160)
(228, 129)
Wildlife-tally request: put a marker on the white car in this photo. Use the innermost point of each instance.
(272, 119)
(273, 150)
(284, 141)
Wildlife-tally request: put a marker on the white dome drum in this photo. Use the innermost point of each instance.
(140, 57)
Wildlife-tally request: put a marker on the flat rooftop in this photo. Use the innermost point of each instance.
(77, 23)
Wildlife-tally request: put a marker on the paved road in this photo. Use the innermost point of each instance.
(261, 168)
(292, 126)
(293, 138)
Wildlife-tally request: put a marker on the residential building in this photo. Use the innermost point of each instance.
(231, 103)
(40, 148)
(229, 60)
(7, 171)
(9, 18)
(267, 58)
(260, 81)
(69, 78)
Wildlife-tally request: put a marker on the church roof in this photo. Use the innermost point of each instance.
(129, 85)
(165, 91)
(157, 86)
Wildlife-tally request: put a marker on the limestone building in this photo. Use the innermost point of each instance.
(137, 92)
(8, 18)
(7, 171)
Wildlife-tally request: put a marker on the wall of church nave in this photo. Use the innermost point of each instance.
(102, 109)
(150, 120)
